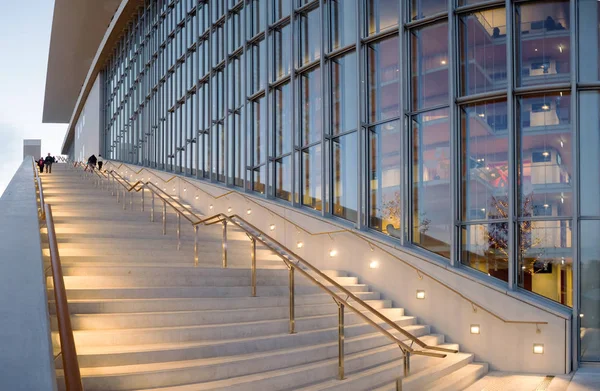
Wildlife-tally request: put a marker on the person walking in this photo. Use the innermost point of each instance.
(48, 163)
(91, 163)
(100, 162)
(40, 164)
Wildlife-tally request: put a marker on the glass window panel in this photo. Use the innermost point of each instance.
(343, 23)
(383, 77)
(543, 32)
(545, 155)
(311, 177)
(484, 161)
(429, 66)
(589, 39)
(258, 179)
(484, 247)
(310, 37)
(283, 119)
(483, 51)
(281, 8)
(432, 217)
(256, 61)
(590, 286)
(420, 9)
(345, 179)
(381, 14)
(283, 178)
(545, 259)
(344, 100)
(259, 132)
(282, 52)
(238, 151)
(384, 178)
(310, 100)
(589, 151)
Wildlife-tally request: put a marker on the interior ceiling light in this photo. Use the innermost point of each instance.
(545, 107)
(443, 62)
(481, 115)
(545, 153)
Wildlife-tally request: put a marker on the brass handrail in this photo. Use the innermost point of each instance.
(288, 256)
(373, 243)
(71, 370)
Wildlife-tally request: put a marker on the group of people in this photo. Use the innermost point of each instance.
(92, 161)
(46, 162)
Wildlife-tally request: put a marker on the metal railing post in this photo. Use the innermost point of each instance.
(143, 191)
(117, 190)
(131, 199)
(340, 341)
(164, 220)
(253, 265)
(406, 362)
(124, 199)
(195, 245)
(224, 244)
(292, 301)
(178, 231)
(152, 210)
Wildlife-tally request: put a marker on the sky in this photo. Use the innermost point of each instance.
(24, 41)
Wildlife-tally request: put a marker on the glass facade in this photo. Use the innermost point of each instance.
(462, 128)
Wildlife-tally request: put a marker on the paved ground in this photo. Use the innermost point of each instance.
(585, 379)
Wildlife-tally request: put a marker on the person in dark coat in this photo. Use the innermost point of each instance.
(91, 163)
(48, 163)
(40, 164)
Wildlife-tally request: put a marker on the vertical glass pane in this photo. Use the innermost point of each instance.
(283, 178)
(543, 34)
(483, 51)
(310, 101)
(484, 247)
(383, 77)
(381, 14)
(546, 260)
(258, 179)
(257, 61)
(344, 100)
(384, 178)
(432, 217)
(310, 37)
(545, 157)
(281, 8)
(484, 161)
(238, 151)
(589, 40)
(420, 9)
(311, 177)
(589, 151)
(343, 23)
(283, 120)
(282, 52)
(345, 179)
(590, 288)
(429, 66)
(259, 132)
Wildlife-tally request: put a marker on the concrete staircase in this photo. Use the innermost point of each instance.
(145, 318)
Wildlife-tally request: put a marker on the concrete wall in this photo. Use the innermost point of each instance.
(32, 148)
(460, 300)
(26, 351)
(87, 130)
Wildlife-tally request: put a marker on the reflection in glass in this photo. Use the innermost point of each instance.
(484, 247)
(342, 24)
(384, 178)
(283, 119)
(484, 161)
(281, 8)
(282, 52)
(420, 9)
(256, 62)
(344, 100)
(589, 151)
(283, 178)
(545, 158)
(383, 77)
(483, 51)
(381, 14)
(310, 100)
(259, 132)
(311, 177)
(310, 37)
(345, 168)
(429, 66)
(543, 33)
(258, 179)
(590, 291)
(545, 259)
(432, 217)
